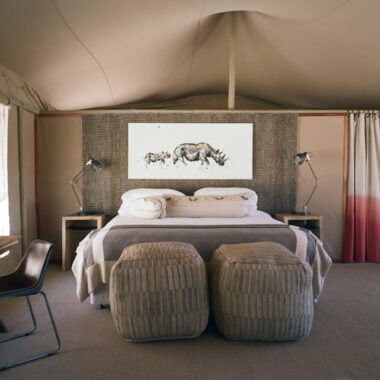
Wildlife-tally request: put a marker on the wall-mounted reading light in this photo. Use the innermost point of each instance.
(95, 166)
(299, 159)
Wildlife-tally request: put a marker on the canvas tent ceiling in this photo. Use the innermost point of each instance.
(105, 53)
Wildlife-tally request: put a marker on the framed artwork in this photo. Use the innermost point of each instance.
(190, 150)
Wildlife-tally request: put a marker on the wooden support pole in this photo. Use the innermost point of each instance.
(232, 73)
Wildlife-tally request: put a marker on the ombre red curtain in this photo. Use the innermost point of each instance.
(362, 232)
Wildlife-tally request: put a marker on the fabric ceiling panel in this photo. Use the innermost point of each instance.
(87, 54)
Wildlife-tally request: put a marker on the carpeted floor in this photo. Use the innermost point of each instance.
(344, 342)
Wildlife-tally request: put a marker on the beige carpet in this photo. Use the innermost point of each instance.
(344, 342)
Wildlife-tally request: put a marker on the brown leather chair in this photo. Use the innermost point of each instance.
(27, 280)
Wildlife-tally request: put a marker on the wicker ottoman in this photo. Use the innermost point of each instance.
(159, 291)
(261, 291)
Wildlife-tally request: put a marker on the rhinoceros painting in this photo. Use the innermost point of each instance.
(178, 150)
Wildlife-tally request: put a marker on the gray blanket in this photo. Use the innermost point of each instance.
(102, 248)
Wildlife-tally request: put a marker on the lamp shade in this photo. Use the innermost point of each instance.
(94, 164)
(300, 158)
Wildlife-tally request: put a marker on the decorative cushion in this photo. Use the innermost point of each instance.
(132, 195)
(148, 208)
(261, 291)
(230, 206)
(221, 191)
(159, 291)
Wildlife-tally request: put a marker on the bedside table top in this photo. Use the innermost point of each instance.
(290, 216)
(84, 217)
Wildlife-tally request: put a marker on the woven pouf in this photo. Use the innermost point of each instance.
(261, 291)
(159, 291)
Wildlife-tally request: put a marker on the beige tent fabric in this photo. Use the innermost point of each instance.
(92, 54)
(16, 91)
(205, 102)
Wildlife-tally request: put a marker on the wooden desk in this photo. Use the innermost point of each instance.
(7, 242)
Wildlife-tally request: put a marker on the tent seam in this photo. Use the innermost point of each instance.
(318, 18)
(86, 48)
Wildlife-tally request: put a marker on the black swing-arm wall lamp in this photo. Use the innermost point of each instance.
(299, 159)
(95, 166)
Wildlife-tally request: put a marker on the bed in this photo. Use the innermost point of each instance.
(205, 220)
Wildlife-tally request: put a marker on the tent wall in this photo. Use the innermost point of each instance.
(59, 159)
(324, 137)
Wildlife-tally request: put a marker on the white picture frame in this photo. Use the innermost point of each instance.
(190, 150)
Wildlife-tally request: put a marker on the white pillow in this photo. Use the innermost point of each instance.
(209, 206)
(124, 210)
(148, 208)
(220, 191)
(132, 194)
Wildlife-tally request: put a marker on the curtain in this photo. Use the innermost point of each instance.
(362, 237)
(4, 212)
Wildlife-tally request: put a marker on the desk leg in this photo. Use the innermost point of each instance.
(64, 250)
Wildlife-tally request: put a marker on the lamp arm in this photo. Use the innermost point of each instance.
(76, 196)
(75, 191)
(314, 188)
(72, 180)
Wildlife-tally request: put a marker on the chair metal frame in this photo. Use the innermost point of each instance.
(35, 289)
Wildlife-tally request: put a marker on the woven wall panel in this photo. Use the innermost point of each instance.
(105, 137)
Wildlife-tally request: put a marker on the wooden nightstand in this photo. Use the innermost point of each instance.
(82, 224)
(313, 223)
